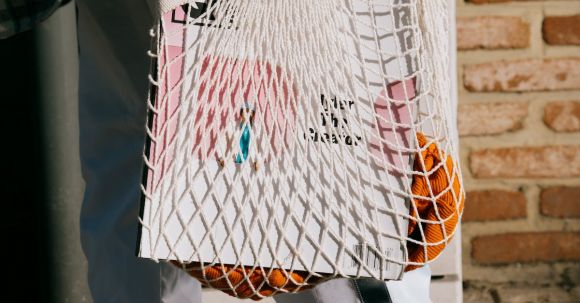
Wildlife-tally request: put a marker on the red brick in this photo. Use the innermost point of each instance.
(563, 116)
(526, 162)
(492, 32)
(489, 205)
(560, 202)
(534, 293)
(526, 247)
(476, 295)
(490, 118)
(523, 75)
(562, 30)
(486, 1)
(500, 1)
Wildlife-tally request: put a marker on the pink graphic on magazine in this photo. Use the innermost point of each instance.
(394, 117)
(226, 86)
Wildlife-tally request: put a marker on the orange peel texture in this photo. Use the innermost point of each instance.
(449, 200)
(247, 282)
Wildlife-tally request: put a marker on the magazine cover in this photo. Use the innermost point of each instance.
(240, 160)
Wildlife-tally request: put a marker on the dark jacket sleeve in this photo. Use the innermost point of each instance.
(20, 15)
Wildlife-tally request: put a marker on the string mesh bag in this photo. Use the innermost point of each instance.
(294, 141)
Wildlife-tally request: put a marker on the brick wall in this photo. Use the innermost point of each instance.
(519, 122)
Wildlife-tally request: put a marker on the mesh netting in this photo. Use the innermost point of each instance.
(294, 141)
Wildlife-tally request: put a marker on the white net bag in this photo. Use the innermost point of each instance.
(294, 141)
